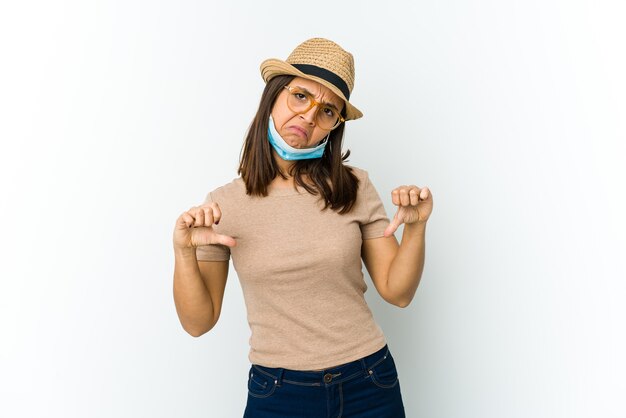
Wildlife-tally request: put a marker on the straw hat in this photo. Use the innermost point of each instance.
(320, 60)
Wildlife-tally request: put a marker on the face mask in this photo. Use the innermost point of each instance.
(287, 152)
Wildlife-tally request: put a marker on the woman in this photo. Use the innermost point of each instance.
(297, 223)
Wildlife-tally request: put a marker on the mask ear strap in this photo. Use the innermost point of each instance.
(325, 139)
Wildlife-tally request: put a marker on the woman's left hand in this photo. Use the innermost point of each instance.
(414, 206)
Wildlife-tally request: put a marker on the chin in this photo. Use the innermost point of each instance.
(297, 145)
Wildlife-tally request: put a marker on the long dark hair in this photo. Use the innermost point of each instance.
(335, 181)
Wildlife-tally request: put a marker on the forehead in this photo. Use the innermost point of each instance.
(321, 92)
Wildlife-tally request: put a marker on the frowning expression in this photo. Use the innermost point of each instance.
(300, 130)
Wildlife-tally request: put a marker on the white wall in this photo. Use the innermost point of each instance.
(117, 116)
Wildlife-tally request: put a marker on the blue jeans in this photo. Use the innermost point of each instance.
(365, 388)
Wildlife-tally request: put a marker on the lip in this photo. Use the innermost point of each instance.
(301, 131)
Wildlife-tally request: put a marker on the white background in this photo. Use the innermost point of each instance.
(117, 116)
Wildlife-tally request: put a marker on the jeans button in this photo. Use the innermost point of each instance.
(328, 377)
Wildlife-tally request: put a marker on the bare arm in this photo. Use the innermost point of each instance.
(395, 269)
(198, 286)
(198, 291)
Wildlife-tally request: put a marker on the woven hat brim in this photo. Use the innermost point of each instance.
(273, 67)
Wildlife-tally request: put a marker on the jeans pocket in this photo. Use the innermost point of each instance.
(384, 373)
(260, 384)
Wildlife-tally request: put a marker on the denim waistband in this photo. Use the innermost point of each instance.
(328, 377)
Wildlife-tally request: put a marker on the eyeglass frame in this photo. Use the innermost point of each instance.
(314, 103)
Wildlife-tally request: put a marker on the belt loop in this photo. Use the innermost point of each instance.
(279, 379)
(364, 366)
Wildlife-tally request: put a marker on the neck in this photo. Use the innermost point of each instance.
(283, 164)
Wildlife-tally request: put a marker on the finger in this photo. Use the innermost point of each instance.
(208, 216)
(198, 214)
(217, 213)
(395, 197)
(187, 219)
(424, 193)
(226, 240)
(414, 196)
(391, 229)
(192, 215)
(404, 197)
(393, 226)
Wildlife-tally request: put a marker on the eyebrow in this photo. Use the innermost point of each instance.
(324, 103)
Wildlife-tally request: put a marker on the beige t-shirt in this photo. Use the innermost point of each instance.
(301, 273)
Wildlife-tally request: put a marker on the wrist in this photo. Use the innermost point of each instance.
(416, 226)
(185, 252)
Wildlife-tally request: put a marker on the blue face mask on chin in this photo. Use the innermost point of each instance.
(289, 153)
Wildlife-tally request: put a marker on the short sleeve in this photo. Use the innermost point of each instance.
(212, 252)
(375, 218)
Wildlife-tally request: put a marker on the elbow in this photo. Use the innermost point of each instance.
(404, 300)
(403, 303)
(400, 303)
(197, 331)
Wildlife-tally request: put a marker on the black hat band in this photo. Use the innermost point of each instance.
(323, 73)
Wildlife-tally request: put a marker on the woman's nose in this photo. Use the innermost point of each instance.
(310, 115)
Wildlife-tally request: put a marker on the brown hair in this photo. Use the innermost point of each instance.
(333, 180)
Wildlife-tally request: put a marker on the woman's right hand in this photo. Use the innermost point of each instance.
(194, 228)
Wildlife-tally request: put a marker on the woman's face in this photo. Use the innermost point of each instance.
(301, 130)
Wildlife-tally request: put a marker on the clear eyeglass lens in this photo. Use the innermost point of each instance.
(300, 102)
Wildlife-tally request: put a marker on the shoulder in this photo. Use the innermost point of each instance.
(361, 174)
(356, 170)
(367, 193)
(235, 188)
